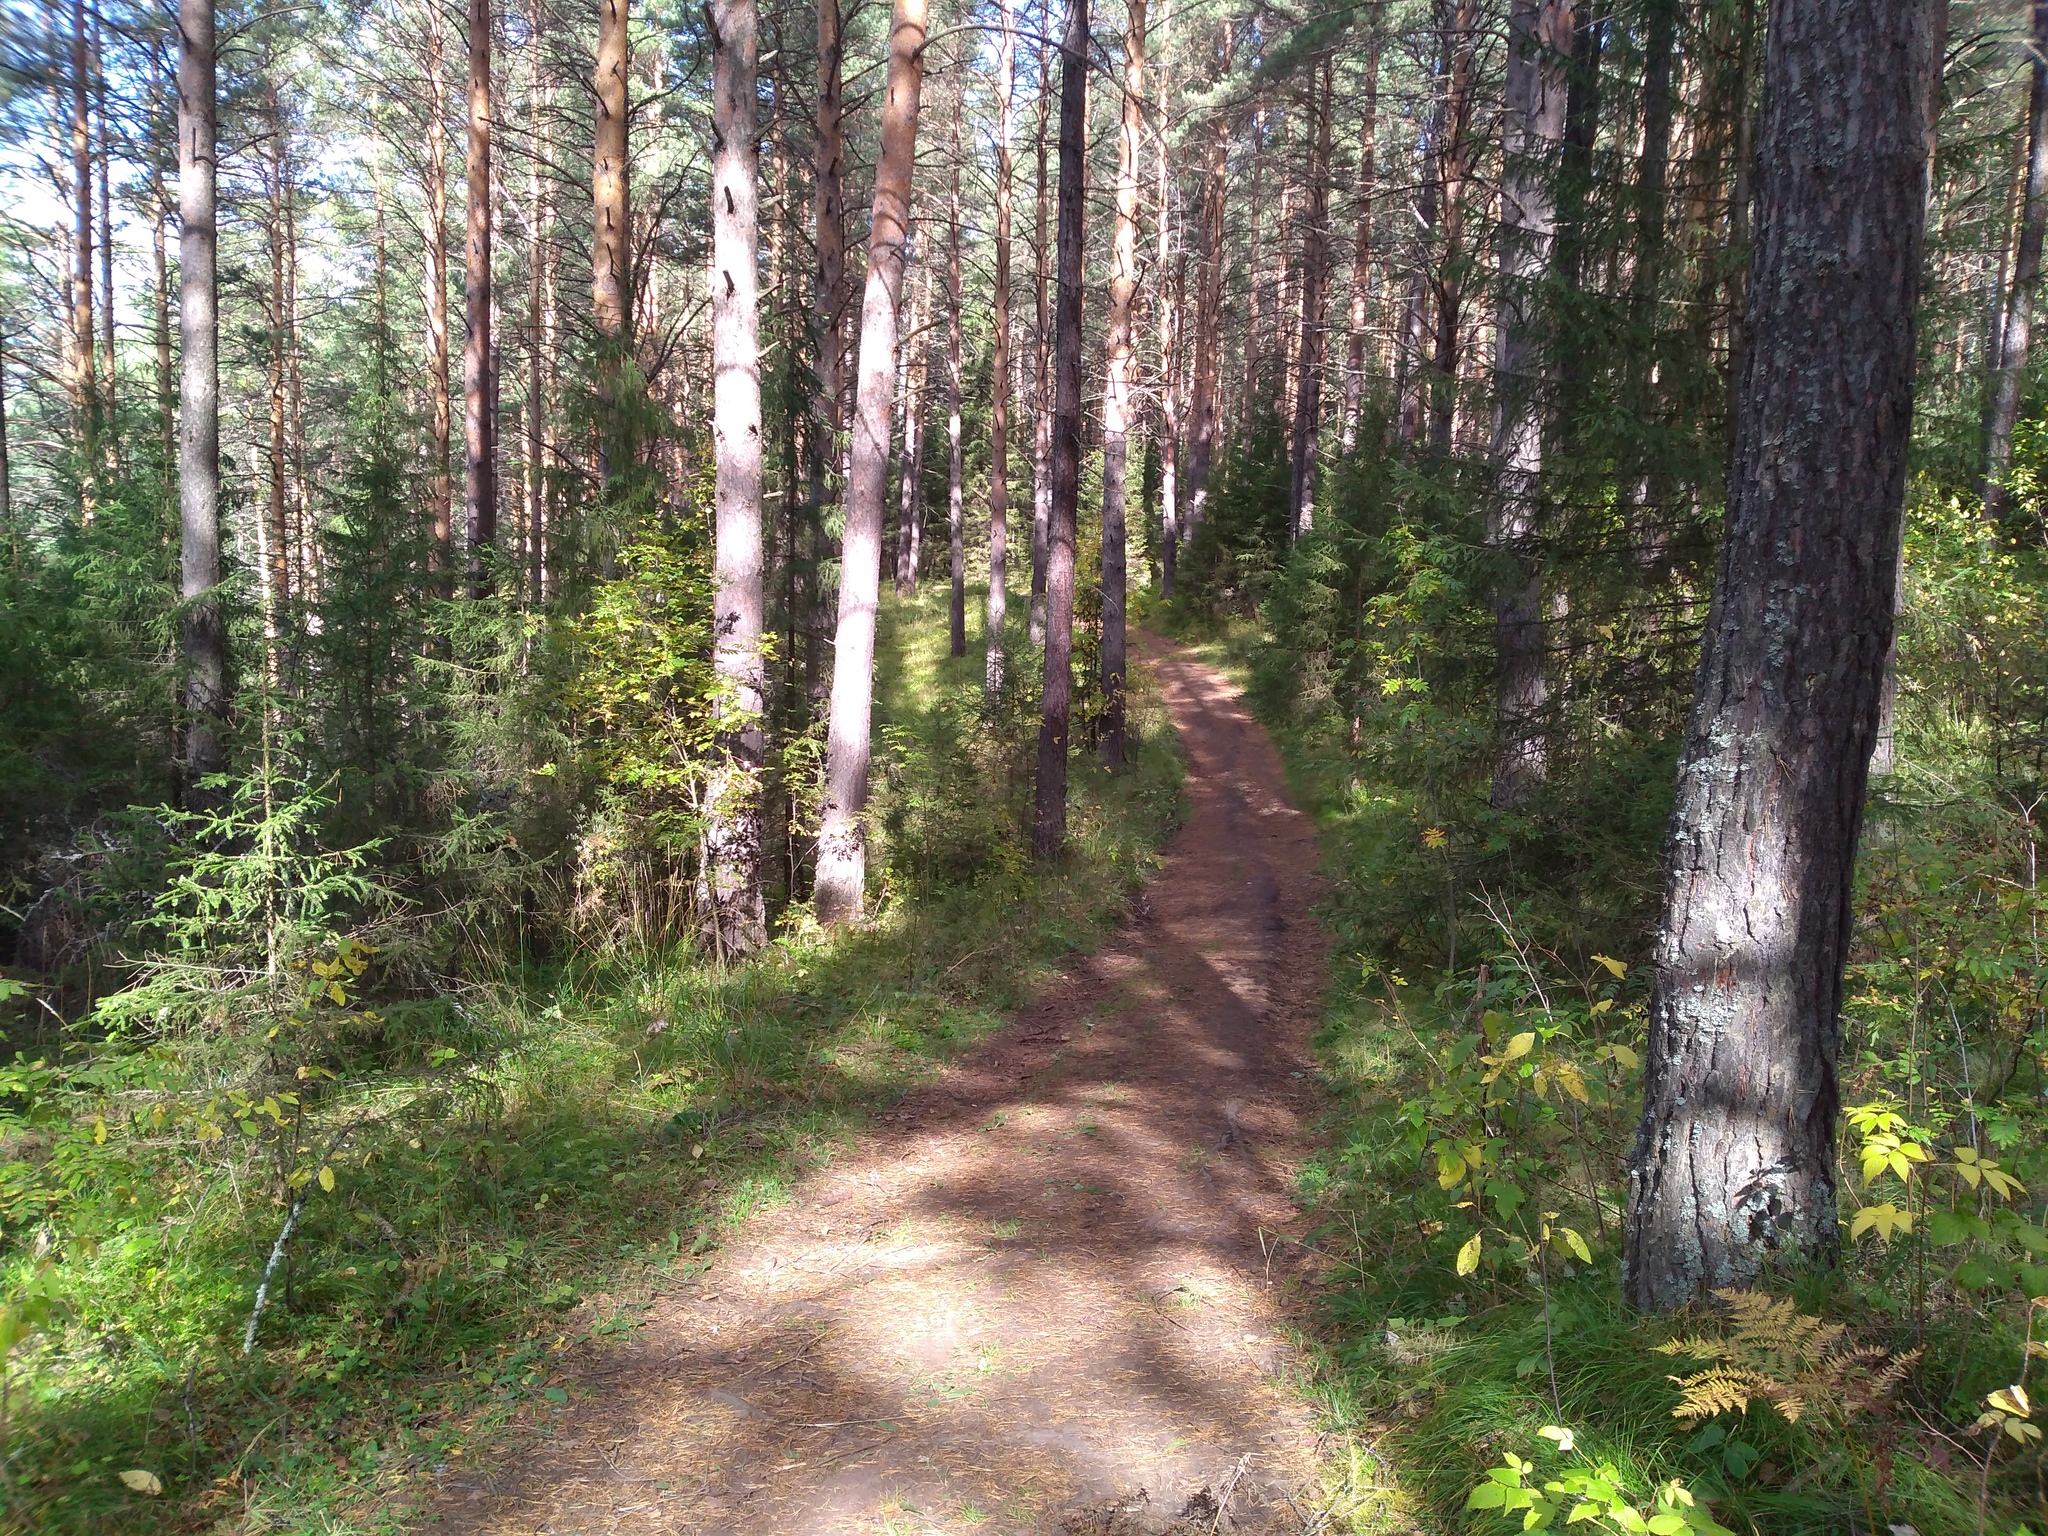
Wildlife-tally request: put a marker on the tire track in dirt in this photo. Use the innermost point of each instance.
(1046, 1296)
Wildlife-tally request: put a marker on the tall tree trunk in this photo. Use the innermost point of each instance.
(999, 404)
(1315, 261)
(1575, 195)
(1202, 409)
(1532, 128)
(536, 341)
(828, 311)
(440, 486)
(1461, 47)
(276, 527)
(910, 463)
(734, 919)
(956, 527)
(1041, 348)
(2003, 406)
(103, 159)
(1734, 1164)
(842, 836)
(1169, 306)
(611, 281)
(1118, 394)
(7, 528)
(160, 298)
(1361, 245)
(1049, 813)
(479, 357)
(204, 634)
(85, 382)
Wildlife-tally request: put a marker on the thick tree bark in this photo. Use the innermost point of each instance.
(203, 631)
(1120, 386)
(956, 512)
(1049, 813)
(842, 837)
(1202, 409)
(999, 404)
(479, 358)
(1734, 1162)
(1041, 346)
(1315, 261)
(1532, 129)
(440, 486)
(732, 913)
(2003, 404)
(1361, 245)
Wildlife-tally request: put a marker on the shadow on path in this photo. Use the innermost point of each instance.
(1046, 1296)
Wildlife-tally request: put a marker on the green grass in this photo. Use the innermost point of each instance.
(543, 1156)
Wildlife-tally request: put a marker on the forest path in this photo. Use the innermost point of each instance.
(1046, 1295)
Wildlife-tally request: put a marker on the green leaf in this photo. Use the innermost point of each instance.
(556, 1395)
(1488, 1495)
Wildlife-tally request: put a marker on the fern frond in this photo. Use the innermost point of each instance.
(1721, 1389)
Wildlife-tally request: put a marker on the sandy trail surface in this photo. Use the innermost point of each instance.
(1050, 1293)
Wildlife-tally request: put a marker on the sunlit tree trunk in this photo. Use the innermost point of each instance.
(103, 160)
(956, 526)
(611, 282)
(916, 357)
(1361, 244)
(1202, 409)
(1532, 128)
(537, 224)
(1118, 397)
(204, 635)
(1169, 301)
(842, 837)
(1315, 262)
(1734, 1164)
(479, 359)
(734, 918)
(999, 404)
(1049, 814)
(827, 312)
(160, 297)
(440, 487)
(1041, 349)
(85, 380)
(276, 528)
(2003, 405)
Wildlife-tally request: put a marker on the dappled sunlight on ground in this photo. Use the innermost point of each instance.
(1050, 1293)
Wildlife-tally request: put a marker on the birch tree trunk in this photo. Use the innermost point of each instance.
(1532, 129)
(1049, 813)
(2003, 407)
(1734, 1168)
(842, 837)
(1118, 392)
(479, 360)
(734, 920)
(203, 632)
(999, 404)
(956, 526)
(1315, 261)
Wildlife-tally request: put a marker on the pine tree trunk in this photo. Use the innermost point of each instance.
(85, 381)
(1532, 129)
(842, 836)
(1734, 1168)
(204, 634)
(731, 900)
(999, 404)
(1120, 386)
(1202, 408)
(276, 543)
(479, 358)
(2010, 375)
(1049, 814)
(103, 159)
(160, 297)
(440, 487)
(910, 462)
(828, 320)
(536, 262)
(1361, 245)
(1315, 261)
(1169, 304)
(1461, 47)
(1041, 390)
(611, 282)
(956, 526)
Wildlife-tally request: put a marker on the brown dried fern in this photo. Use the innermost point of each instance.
(1773, 1353)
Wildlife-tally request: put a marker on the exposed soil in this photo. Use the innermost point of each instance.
(1051, 1293)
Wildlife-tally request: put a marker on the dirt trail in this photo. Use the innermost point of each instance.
(1046, 1296)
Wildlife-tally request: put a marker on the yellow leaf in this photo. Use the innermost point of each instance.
(327, 1179)
(1886, 1220)
(1578, 1245)
(99, 1130)
(1565, 1438)
(1602, 1006)
(2012, 1399)
(1520, 1046)
(334, 991)
(1615, 966)
(136, 1480)
(1468, 1256)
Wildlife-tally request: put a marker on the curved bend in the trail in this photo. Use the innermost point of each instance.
(1046, 1298)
